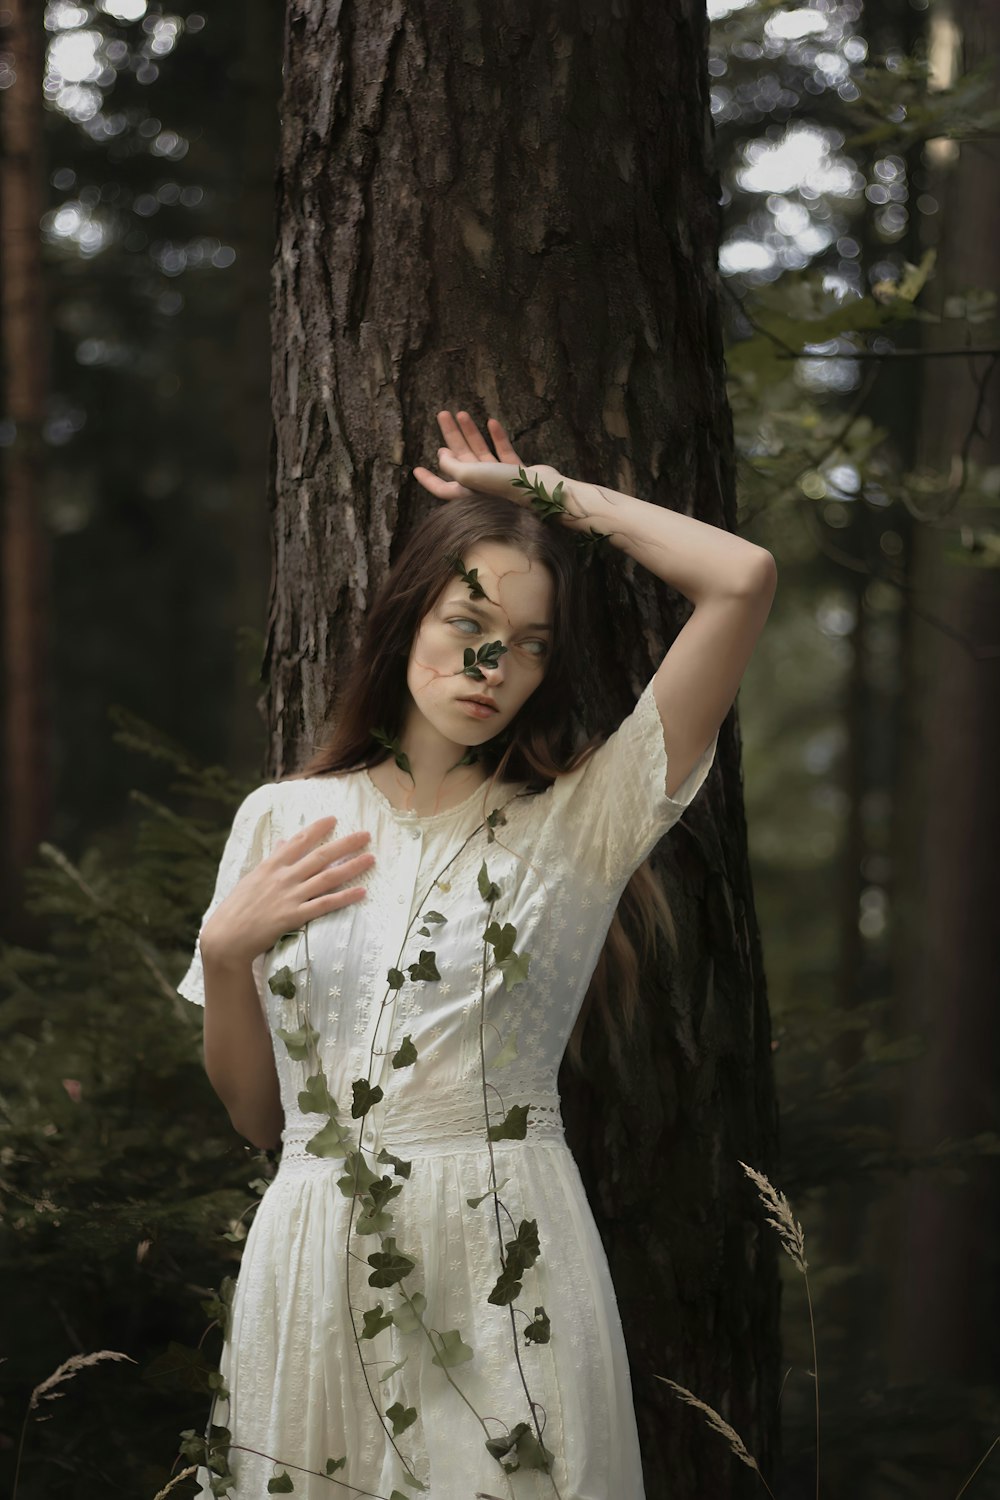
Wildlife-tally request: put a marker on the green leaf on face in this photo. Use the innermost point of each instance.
(538, 1331)
(359, 1176)
(471, 578)
(513, 1126)
(508, 1286)
(282, 983)
(487, 889)
(407, 1317)
(453, 1351)
(333, 1464)
(390, 1264)
(400, 1167)
(524, 1247)
(297, 1043)
(401, 1417)
(507, 1052)
(281, 1484)
(514, 969)
(475, 1202)
(329, 1141)
(365, 1095)
(315, 1098)
(375, 1319)
(406, 1054)
(392, 1370)
(425, 968)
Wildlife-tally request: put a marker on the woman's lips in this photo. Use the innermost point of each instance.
(478, 710)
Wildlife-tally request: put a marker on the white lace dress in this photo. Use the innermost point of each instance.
(296, 1390)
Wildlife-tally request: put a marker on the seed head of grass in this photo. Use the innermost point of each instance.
(780, 1217)
(66, 1371)
(718, 1424)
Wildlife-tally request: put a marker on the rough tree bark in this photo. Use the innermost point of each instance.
(513, 208)
(26, 566)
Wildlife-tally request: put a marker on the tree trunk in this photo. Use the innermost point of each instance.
(27, 786)
(515, 210)
(945, 1303)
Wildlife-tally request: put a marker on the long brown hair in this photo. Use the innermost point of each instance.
(538, 744)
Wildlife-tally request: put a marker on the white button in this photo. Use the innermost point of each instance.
(416, 833)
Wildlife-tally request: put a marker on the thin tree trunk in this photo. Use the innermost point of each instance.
(945, 1302)
(515, 210)
(26, 565)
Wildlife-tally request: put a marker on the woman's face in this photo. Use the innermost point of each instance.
(517, 612)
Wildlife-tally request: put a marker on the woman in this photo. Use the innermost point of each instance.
(399, 943)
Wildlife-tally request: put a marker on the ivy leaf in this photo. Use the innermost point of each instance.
(315, 1098)
(281, 983)
(406, 1054)
(407, 1317)
(434, 916)
(424, 931)
(495, 819)
(508, 1286)
(507, 1052)
(514, 969)
(281, 1484)
(413, 1481)
(499, 1447)
(375, 1318)
(514, 1125)
(395, 979)
(384, 1189)
(538, 1331)
(330, 1140)
(524, 1247)
(533, 1454)
(298, 1042)
(401, 1417)
(501, 938)
(358, 1177)
(425, 968)
(390, 1264)
(452, 1351)
(475, 1202)
(333, 1464)
(388, 1374)
(487, 889)
(397, 1495)
(400, 1167)
(373, 1221)
(365, 1095)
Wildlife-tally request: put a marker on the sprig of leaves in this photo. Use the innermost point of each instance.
(542, 503)
(399, 755)
(470, 578)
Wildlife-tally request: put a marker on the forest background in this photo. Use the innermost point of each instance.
(859, 260)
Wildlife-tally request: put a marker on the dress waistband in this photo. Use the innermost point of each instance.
(454, 1122)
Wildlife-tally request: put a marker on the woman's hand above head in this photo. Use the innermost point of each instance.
(297, 882)
(470, 468)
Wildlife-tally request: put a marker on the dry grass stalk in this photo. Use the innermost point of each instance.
(67, 1370)
(719, 1425)
(184, 1474)
(780, 1217)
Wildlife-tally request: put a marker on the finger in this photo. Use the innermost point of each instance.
(502, 443)
(480, 447)
(442, 489)
(453, 436)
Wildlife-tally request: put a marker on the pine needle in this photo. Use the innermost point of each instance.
(780, 1217)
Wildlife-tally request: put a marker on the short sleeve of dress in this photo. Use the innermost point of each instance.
(612, 812)
(249, 842)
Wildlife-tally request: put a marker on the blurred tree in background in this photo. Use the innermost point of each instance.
(852, 140)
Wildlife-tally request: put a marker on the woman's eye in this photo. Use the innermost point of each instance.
(464, 622)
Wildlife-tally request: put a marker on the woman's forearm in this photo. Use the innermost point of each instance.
(239, 1056)
(697, 559)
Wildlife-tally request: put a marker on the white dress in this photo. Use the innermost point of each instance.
(296, 1390)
